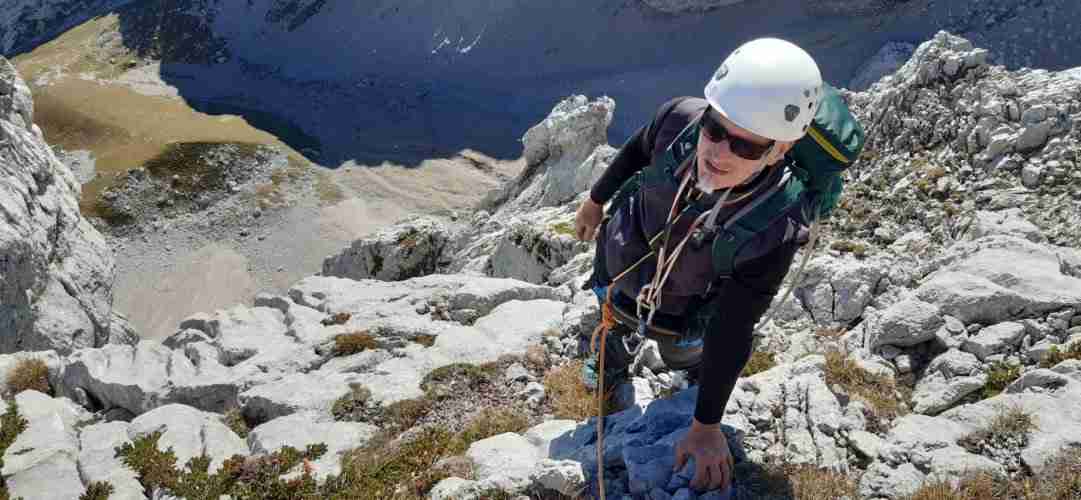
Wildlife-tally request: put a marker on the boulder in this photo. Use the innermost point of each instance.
(994, 339)
(43, 460)
(998, 278)
(505, 461)
(302, 429)
(98, 461)
(1010, 221)
(405, 250)
(142, 377)
(554, 150)
(905, 323)
(190, 433)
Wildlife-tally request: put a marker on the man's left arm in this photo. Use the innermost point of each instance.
(739, 304)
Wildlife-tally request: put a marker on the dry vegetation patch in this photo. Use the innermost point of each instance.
(348, 344)
(999, 376)
(795, 482)
(1009, 428)
(1061, 480)
(760, 361)
(29, 374)
(878, 391)
(568, 394)
(1056, 355)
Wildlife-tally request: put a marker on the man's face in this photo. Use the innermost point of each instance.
(718, 166)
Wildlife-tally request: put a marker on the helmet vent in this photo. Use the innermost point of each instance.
(791, 112)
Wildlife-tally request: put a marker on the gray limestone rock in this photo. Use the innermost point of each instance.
(906, 323)
(190, 433)
(994, 339)
(406, 250)
(42, 462)
(98, 461)
(554, 150)
(1010, 221)
(58, 270)
(145, 376)
(302, 429)
(506, 461)
(563, 476)
(298, 392)
(997, 278)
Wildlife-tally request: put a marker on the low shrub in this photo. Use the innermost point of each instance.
(348, 344)
(29, 374)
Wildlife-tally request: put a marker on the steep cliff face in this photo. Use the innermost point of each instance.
(26, 23)
(56, 271)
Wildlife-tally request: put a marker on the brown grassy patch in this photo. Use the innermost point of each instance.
(976, 486)
(760, 361)
(536, 358)
(337, 319)
(425, 340)
(490, 422)
(876, 390)
(798, 482)
(29, 374)
(829, 333)
(569, 395)
(1055, 355)
(348, 344)
(402, 415)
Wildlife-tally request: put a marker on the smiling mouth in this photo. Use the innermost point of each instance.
(713, 168)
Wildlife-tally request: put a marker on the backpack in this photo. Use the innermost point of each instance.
(833, 142)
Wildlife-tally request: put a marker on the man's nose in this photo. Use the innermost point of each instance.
(721, 150)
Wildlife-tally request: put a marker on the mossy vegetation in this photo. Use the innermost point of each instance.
(999, 375)
(29, 374)
(11, 425)
(760, 361)
(234, 420)
(565, 228)
(855, 248)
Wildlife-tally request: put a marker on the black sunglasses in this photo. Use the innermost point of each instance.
(742, 148)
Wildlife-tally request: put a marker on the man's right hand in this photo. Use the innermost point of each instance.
(588, 218)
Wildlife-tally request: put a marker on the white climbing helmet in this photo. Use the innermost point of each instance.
(768, 86)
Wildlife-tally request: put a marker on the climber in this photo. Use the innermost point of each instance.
(703, 228)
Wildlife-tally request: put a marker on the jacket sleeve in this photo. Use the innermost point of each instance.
(738, 305)
(635, 155)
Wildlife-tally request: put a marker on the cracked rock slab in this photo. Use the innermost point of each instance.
(42, 462)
